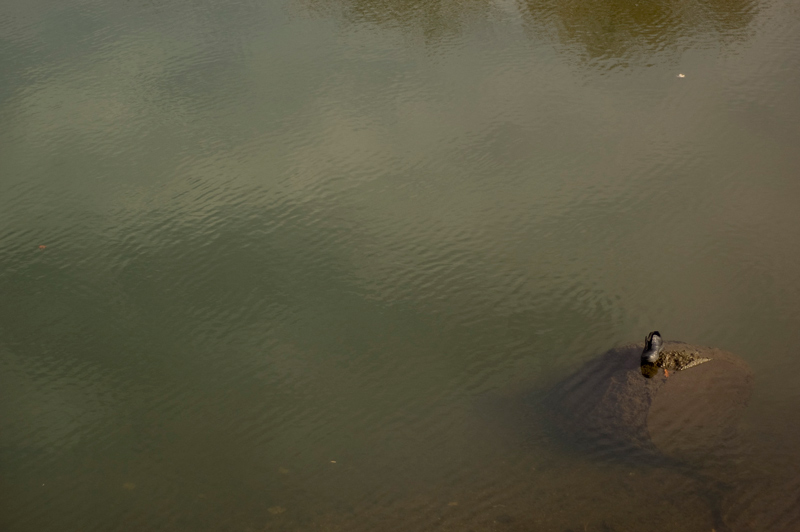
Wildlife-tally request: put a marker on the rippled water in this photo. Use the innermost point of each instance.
(313, 264)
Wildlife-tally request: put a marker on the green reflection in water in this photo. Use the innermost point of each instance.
(622, 28)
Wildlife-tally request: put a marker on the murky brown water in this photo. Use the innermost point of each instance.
(314, 264)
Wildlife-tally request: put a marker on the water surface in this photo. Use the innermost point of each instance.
(309, 264)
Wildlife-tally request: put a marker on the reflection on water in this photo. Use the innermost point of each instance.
(436, 21)
(625, 29)
(305, 275)
(622, 30)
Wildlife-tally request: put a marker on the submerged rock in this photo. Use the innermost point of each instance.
(616, 403)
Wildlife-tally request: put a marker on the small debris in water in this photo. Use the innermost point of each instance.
(42, 246)
(681, 75)
(275, 510)
(454, 503)
(333, 461)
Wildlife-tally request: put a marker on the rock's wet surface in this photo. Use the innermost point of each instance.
(686, 414)
(685, 419)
